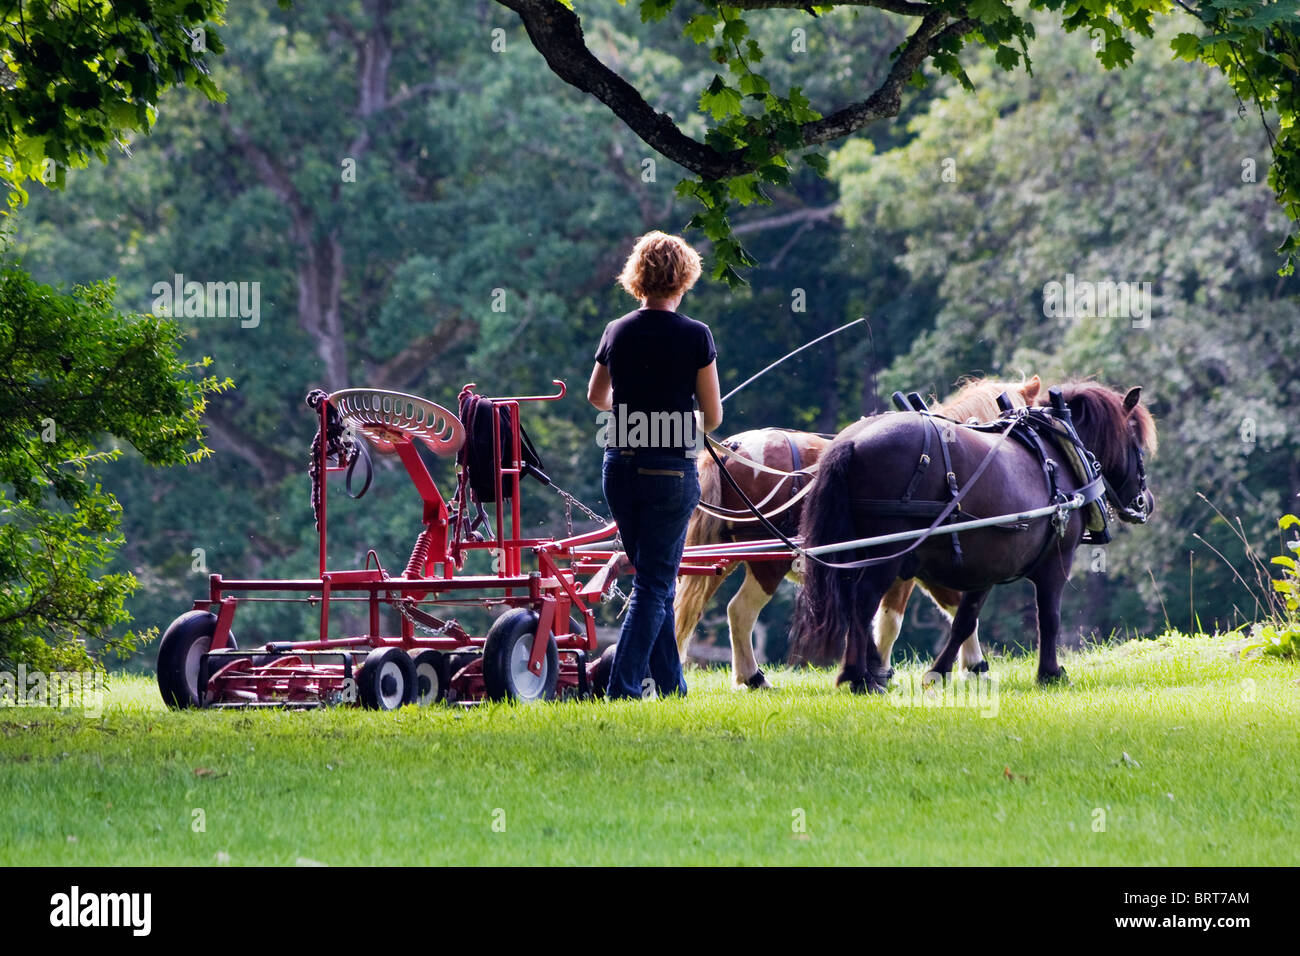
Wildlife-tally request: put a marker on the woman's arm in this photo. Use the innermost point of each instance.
(707, 393)
(600, 390)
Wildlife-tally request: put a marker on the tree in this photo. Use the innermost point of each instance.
(755, 129)
(80, 77)
(74, 369)
(77, 78)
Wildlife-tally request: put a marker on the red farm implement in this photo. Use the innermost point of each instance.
(537, 649)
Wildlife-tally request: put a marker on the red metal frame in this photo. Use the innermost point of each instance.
(305, 672)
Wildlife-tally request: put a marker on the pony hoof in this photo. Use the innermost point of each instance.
(884, 676)
(932, 678)
(981, 668)
(866, 685)
(757, 681)
(1047, 680)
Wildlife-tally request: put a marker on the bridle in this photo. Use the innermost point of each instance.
(1135, 509)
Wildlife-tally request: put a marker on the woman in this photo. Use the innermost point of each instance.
(652, 364)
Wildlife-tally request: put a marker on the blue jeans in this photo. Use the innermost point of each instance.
(652, 497)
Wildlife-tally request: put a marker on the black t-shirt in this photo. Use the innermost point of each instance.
(653, 358)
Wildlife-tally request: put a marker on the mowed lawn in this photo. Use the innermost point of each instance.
(1167, 751)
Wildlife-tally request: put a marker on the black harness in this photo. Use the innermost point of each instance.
(1028, 427)
(346, 450)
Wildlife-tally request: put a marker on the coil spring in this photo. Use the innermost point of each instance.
(419, 555)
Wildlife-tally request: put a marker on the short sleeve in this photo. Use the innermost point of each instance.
(602, 350)
(707, 351)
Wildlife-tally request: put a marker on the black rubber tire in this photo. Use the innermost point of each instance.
(500, 653)
(430, 677)
(604, 664)
(386, 679)
(177, 670)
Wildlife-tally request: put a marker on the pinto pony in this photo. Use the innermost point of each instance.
(874, 462)
(780, 497)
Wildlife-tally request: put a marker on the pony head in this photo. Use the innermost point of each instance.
(1120, 431)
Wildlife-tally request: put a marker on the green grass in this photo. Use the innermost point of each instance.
(1190, 752)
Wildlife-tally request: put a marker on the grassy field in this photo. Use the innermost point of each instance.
(1168, 751)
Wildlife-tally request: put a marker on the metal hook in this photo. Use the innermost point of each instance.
(536, 398)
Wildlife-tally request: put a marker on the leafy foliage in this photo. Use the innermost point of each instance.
(765, 125)
(1279, 636)
(73, 368)
(1256, 45)
(78, 77)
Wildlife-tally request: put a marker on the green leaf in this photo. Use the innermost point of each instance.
(700, 27)
(654, 10)
(720, 100)
(751, 84)
(989, 10)
(1117, 52)
(735, 30)
(1186, 46)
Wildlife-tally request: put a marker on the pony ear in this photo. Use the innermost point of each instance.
(1131, 399)
(1029, 391)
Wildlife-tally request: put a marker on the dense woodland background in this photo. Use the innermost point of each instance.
(478, 170)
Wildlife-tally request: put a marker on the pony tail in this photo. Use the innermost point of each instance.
(694, 590)
(825, 603)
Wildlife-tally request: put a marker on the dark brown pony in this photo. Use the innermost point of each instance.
(784, 450)
(876, 460)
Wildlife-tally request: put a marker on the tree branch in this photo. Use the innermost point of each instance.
(269, 464)
(888, 98)
(405, 368)
(798, 216)
(892, 6)
(556, 32)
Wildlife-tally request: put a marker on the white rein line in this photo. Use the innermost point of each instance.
(722, 550)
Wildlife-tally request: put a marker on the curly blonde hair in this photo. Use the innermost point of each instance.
(660, 266)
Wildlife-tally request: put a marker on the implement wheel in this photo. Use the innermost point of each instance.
(431, 677)
(506, 652)
(386, 680)
(182, 647)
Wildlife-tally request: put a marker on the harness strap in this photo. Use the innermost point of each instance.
(952, 488)
(738, 516)
(796, 463)
(922, 464)
(733, 452)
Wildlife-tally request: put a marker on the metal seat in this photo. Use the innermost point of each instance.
(388, 418)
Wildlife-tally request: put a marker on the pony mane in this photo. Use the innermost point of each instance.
(1100, 411)
(978, 398)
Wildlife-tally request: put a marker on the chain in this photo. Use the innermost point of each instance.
(569, 502)
(420, 625)
(615, 592)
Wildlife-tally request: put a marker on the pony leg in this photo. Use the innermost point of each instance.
(694, 592)
(947, 601)
(742, 612)
(862, 662)
(964, 622)
(1047, 591)
(889, 621)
